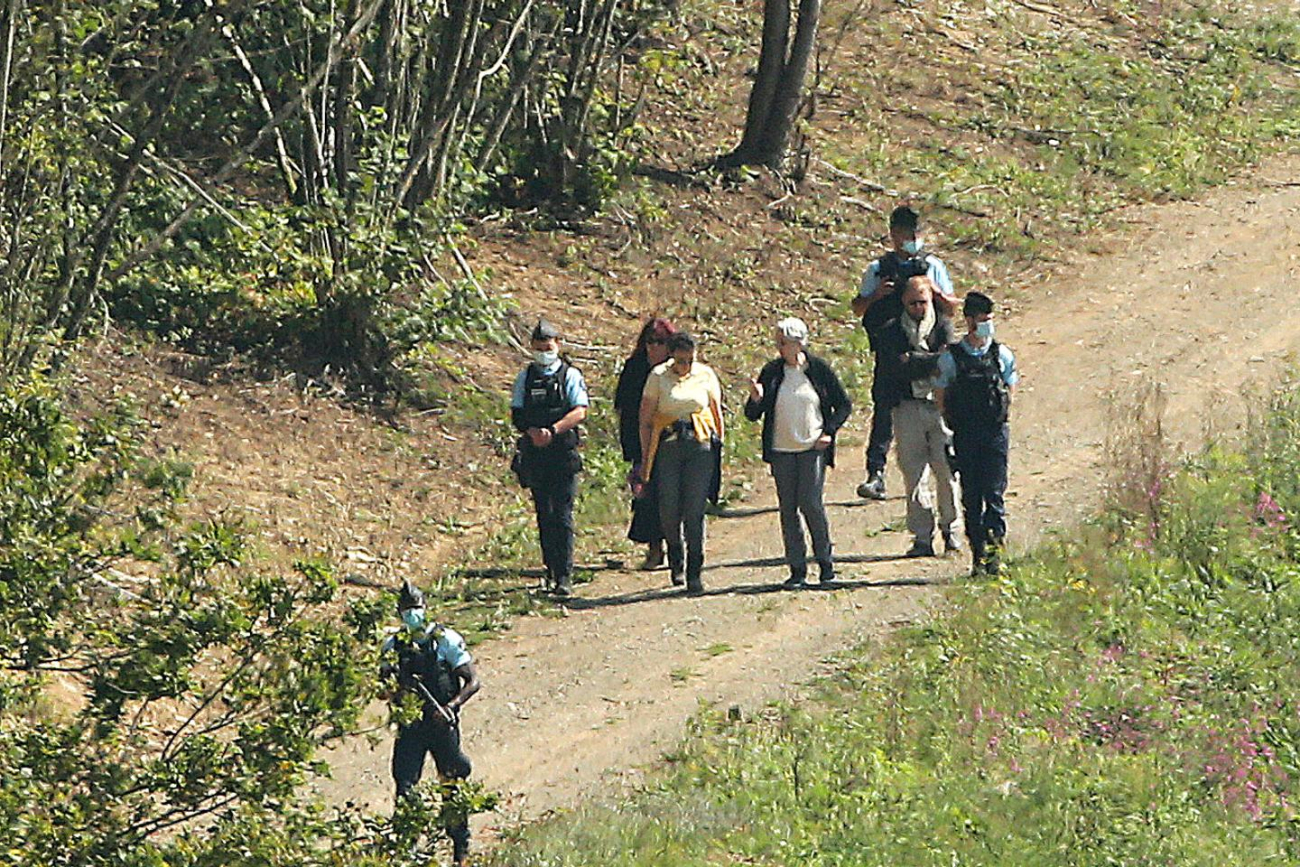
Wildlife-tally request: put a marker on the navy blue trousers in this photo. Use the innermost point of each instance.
(982, 463)
(554, 488)
(432, 736)
(882, 423)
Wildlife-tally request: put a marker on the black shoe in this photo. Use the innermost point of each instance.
(563, 587)
(874, 487)
(951, 544)
(826, 574)
(920, 549)
(677, 565)
(694, 587)
(796, 581)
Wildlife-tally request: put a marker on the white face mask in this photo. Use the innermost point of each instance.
(913, 247)
(545, 358)
(984, 329)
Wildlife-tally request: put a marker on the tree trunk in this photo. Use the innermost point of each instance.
(778, 88)
(771, 63)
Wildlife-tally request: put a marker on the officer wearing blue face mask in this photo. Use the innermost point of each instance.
(973, 391)
(431, 662)
(879, 304)
(548, 403)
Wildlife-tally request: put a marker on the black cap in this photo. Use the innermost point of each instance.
(545, 330)
(904, 218)
(976, 304)
(409, 596)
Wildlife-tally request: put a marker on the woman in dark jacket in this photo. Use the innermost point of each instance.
(651, 350)
(803, 405)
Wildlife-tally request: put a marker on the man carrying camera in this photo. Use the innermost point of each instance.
(878, 303)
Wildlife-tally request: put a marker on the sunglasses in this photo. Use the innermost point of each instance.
(656, 341)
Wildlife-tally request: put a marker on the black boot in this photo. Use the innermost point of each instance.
(826, 577)
(694, 565)
(993, 556)
(459, 844)
(676, 564)
(976, 556)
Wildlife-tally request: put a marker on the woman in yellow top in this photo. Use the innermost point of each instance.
(681, 418)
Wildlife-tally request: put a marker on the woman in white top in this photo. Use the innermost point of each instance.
(681, 422)
(803, 405)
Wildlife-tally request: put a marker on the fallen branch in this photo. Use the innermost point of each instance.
(881, 188)
(1040, 9)
(861, 203)
(870, 185)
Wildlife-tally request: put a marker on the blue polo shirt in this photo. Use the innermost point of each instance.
(948, 366)
(451, 647)
(575, 387)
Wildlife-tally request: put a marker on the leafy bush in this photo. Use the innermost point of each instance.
(161, 701)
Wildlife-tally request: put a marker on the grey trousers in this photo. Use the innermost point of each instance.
(920, 434)
(800, 478)
(682, 472)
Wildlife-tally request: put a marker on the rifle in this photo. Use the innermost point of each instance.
(447, 714)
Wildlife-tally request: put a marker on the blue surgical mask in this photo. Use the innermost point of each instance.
(545, 358)
(413, 618)
(984, 330)
(913, 247)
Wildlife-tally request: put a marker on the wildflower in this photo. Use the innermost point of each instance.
(1269, 513)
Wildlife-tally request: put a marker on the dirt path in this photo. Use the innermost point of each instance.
(1202, 299)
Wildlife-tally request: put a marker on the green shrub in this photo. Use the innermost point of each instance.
(194, 690)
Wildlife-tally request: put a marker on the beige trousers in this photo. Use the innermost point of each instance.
(920, 437)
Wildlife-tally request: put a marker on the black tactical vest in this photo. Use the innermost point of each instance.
(978, 397)
(545, 402)
(418, 660)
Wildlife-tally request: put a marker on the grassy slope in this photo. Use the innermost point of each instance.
(1127, 697)
(1023, 135)
(1022, 132)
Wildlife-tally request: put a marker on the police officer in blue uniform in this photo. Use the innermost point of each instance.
(973, 390)
(548, 403)
(431, 661)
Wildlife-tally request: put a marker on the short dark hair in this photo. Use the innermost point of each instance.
(681, 342)
(976, 304)
(904, 218)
